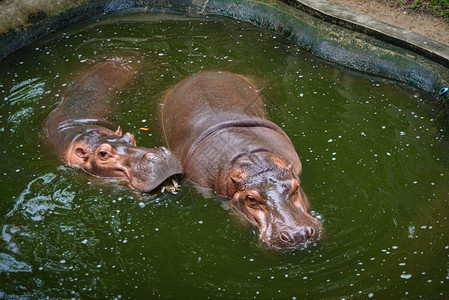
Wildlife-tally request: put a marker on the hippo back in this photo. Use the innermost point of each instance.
(203, 101)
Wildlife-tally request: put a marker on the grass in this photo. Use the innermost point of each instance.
(441, 7)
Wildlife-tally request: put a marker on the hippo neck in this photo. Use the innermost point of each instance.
(240, 123)
(60, 132)
(72, 125)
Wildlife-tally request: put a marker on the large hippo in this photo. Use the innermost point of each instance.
(80, 135)
(214, 122)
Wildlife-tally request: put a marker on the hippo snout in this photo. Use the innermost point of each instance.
(150, 168)
(150, 156)
(293, 238)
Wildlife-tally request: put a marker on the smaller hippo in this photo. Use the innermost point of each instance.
(214, 122)
(80, 136)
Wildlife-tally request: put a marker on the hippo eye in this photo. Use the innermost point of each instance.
(103, 154)
(252, 201)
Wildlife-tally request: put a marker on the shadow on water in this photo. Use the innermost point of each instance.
(375, 167)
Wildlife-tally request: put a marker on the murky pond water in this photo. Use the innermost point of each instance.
(376, 168)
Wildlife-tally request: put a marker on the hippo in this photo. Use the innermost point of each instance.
(215, 123)
(80, 134)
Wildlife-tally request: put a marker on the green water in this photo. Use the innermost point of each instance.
(374, 154)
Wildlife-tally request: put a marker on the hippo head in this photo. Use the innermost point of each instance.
(268, 193)
(105, 153)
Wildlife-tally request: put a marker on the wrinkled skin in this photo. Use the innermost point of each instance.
(214, 122)
(79, 134)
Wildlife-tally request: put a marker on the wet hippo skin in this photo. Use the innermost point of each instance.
(80, 135)
(214, 122)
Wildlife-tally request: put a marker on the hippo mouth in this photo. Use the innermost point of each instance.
(279, 236)
(275, 234)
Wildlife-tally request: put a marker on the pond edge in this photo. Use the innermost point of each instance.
(403, 38)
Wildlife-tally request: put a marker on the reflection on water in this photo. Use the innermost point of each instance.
(375, 163)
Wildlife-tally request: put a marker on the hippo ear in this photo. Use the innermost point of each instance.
(82, 152)
(119, 131)
(238, 183)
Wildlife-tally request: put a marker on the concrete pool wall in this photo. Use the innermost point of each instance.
(326, 30)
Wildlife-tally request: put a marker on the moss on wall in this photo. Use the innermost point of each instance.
(21, 13)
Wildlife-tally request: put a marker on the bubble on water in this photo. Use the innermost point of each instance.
(406, 276)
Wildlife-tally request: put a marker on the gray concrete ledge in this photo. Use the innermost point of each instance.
(403, 38)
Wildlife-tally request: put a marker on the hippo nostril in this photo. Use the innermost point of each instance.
(150, 156)
(164, 150)
(285, 237)
(309, 232)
